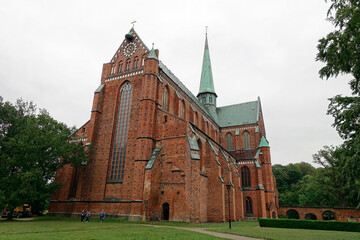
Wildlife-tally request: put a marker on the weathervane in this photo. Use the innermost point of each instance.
(133, 22)
(206, 27)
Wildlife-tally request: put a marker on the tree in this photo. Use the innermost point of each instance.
(340, 51)
(290, 182)
(33, 146)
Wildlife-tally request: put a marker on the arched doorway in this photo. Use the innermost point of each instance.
(310, 216)
(329, 215)
(165, 211)
(248, 207)
(273, 215)
(292, 214)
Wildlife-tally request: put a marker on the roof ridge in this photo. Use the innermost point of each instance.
(177, 81)
(238, 104)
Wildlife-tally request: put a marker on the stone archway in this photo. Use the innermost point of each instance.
(310, 216)
(165, 211)
(329, 215)
(292, 214)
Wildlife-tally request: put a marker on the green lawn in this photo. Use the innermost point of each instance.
(61, 228)
(252, 229)
(66, 228)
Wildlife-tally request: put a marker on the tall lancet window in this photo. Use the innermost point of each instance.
(246, 140)
(229, 142)
(166, 99)
(182, 109)
(121, 134)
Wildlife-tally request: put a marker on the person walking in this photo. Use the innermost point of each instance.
(88, 215)
(83, 215)
(102, 216)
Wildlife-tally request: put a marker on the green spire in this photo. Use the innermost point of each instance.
(263, 142)
(206, 82)
(152, 53)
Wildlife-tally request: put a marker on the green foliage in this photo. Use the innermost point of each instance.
(291, 181)
(340, 51)
(316, 187)
(310, 224)
(33, 146)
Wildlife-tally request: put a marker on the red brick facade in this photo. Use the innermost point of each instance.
(187, 180)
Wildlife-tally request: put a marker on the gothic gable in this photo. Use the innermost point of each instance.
(130, 55)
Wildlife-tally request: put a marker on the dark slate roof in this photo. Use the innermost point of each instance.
(239, 114)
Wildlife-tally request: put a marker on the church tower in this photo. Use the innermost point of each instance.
(207, 95)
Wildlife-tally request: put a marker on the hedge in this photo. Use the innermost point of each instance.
(310, 224)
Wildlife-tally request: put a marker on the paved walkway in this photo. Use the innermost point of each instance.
(216, 234)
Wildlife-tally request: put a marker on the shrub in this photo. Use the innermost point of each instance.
(310, 224)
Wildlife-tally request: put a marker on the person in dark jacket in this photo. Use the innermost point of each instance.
(83, 215)
(102, 216)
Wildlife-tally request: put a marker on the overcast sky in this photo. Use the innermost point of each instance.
(51, 52)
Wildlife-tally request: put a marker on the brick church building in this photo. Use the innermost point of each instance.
(162, 153)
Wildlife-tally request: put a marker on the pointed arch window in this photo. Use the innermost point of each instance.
(113, 68)
(248, 207)
(246, 140)
(121, 134)
(165, 102)
(128, 65)
(120, 69)
(136, 63)
(182, 109)
(245, 177)
(143, 60)
(229, 142)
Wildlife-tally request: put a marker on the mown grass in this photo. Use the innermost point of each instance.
(67, 228)
(252, 229)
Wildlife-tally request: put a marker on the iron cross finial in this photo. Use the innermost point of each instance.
(206, 27)
(133, 22)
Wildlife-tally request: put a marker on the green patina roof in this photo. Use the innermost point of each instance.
(212, 147)
(257, 154)
(221, 179)
(217, 161)
(152, 54)
(233, 161)
(154, 155)
(263, 142)
(239, 114)
(100, 88)
(206, 83)
(192, 142)
(195, 156)
(224, 155)
(261, 187)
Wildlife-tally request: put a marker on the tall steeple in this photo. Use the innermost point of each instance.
(207, 93)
